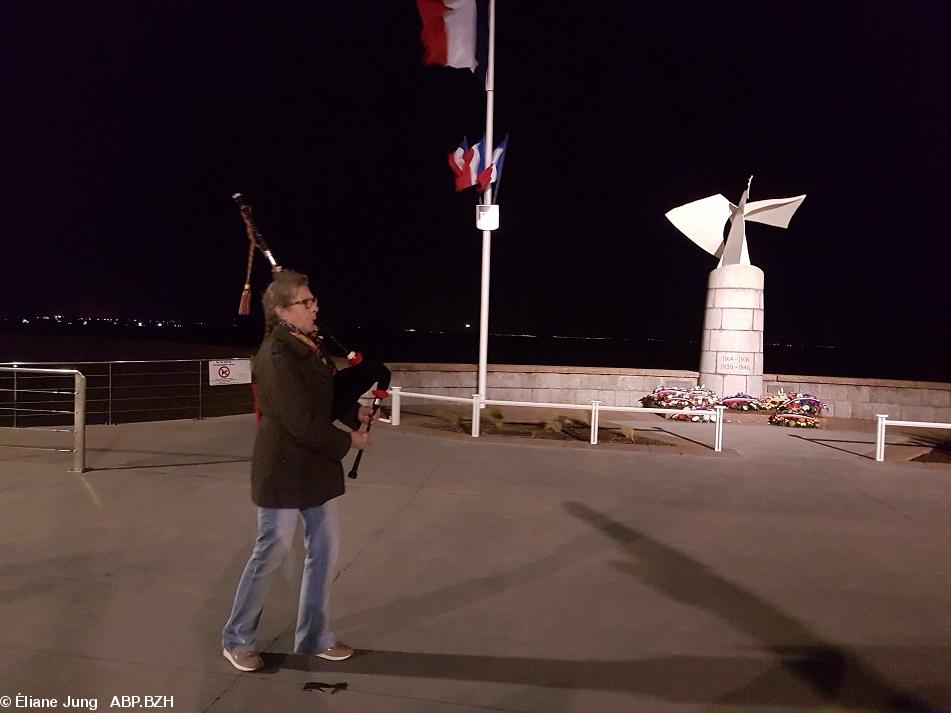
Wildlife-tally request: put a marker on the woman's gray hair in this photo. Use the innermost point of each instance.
(280, 293)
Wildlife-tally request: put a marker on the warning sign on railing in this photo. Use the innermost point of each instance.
(224, 372)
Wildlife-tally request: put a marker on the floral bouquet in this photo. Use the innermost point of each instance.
(662, 396)
(688, 414)
(794, 420)
(702, 397)
(684, 400)
(676, 402)
(772, 402)
(798, 411)
(743, 402)
(806, 404)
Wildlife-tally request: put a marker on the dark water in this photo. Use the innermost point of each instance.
(109, 343)
(882, 362)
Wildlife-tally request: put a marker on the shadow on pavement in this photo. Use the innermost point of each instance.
(673, 678)
(681, 437)
(827, 442)
(167, 465)
(833, 673)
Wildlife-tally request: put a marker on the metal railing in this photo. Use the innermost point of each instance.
(882, 421)
(596, 407)
(128, 391)
(78, 400)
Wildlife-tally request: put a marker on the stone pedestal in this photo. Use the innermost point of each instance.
(731, 356)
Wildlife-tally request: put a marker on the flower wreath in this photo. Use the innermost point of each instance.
(684, 400)
(743, 402)
(798, 411)
(794, 420)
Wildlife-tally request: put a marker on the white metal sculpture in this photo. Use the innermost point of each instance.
(702, 221)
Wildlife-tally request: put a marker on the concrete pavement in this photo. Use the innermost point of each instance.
(791, 574)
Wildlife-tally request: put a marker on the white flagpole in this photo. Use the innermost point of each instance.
(487, 200)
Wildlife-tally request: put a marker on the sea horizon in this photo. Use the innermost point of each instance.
(60, 342)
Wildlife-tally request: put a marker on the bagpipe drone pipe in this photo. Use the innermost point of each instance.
(350, 383)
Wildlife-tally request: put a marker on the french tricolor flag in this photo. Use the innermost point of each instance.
(466, 162)
(491, 173)
(453, 32)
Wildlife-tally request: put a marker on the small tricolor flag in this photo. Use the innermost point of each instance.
(468, 165)
(465, 162)
(491, 173)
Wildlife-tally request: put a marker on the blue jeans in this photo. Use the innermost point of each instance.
(276, 528)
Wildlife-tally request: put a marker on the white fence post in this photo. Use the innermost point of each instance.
(594, 422)
(880, 436)
(200, 415)
(476, 408)
(718, 429)
(395, 405)
(79, 423)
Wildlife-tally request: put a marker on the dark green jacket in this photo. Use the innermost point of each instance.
(297, 451)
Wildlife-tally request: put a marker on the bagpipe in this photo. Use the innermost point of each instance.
(349, 383)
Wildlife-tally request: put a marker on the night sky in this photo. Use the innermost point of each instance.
(126, 126)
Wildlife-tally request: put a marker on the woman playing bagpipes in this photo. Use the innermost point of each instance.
(349, 383)
(296, 471)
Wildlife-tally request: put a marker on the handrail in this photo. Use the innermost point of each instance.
(169, 387)
(595, 407)
(123, 361)
(79, 410)
(882, 421)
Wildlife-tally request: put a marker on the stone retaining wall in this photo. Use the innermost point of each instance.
(844, 397)
(863, 398)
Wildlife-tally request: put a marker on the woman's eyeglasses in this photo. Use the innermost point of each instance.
(308, 303)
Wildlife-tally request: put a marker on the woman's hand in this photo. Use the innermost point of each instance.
(365, 414)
